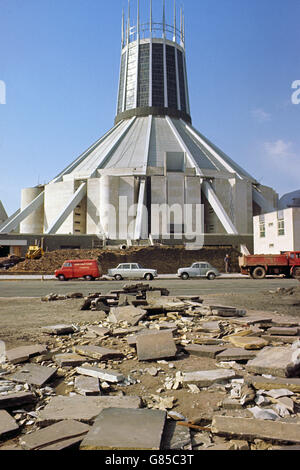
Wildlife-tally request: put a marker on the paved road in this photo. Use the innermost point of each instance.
(38, 288)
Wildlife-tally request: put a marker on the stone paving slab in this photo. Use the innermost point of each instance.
(251, 428)
(126, 429)
(58, 329)
(87, 385)
(7, 424)
(283, 331)
(176, 437)
(160, 345)
(14, 400)
(107, 375)
(34, 374)
(236, 354)
(97, 352)
(58, 436)
(264, 383)
(132, 315)
(279, 339)
(82, 408)
(275, 361)
(204, 351)
(70, 359)
(205, 378)
(23, 353)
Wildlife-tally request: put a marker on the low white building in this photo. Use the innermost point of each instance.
(277, 231)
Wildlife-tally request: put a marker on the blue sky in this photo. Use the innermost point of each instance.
(59, 61)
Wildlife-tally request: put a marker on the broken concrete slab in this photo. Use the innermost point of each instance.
(59, 329)
(132, 339)
(23, 353)
(283, 331)
(265, 383)
(59, 436)
(97, 352)
(15, 400)
(248, 342)
(88, 386)
(176, 437)
(70, 360)
(235, 354)
(106, 375)
(84, 409)
(278, 361)
(160, 345)
(132, 315)
(209, 327)
(99, 330)
(34, 374)
(205, 378)
(251, 428)
(222, 311)
(279, 339)
(203, 351)
(125, 429)
(253, 320)
(126, 331)
(7, 424)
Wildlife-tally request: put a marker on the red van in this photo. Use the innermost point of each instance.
(89, 269)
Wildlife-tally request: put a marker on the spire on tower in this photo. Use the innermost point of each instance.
(174, 37)
(164, 19)
(151, 17)
(138, 20)
(123, 28)
(128, 23)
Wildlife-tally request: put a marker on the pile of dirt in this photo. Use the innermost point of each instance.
(167, 260)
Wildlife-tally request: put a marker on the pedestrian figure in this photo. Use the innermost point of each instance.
(227, 264)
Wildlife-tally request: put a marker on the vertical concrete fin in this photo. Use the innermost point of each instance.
(140, 211)
(218, 208)
(76, 199)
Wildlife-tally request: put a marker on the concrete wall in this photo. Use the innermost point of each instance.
(34, 223)
(270, 195)
(274, 243)
(57, 196)
(93, 206)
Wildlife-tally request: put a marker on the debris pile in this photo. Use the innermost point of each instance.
(90, 385)
(164, 259)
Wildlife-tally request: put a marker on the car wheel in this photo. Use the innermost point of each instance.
(89, 278)
(148, 277)
(211, 277)
(259, 273)
(61, 277)
(185, 276)
(118, 277)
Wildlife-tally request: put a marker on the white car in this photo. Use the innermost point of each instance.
(201, 269)
(132, 271)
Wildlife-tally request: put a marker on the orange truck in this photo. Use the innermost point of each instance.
(88, 269)
(259, 266)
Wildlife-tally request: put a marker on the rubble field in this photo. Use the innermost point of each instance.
(167, 260)
(138, 368)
